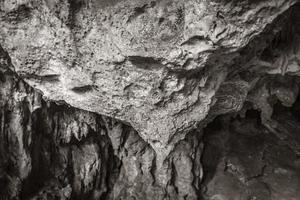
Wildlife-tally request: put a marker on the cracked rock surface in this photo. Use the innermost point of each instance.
(162, 99)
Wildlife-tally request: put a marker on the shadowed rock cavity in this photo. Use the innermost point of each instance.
(110, 99)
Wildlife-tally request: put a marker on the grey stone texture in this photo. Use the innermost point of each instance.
(109, 99)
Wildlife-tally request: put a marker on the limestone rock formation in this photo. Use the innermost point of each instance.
(109, 99)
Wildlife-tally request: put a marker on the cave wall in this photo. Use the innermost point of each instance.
(110, 99)
(126, 58)
(54, 151)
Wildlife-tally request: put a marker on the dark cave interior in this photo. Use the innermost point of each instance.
(54, 151)
(242, 155)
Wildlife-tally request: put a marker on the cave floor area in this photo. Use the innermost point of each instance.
(244, 160)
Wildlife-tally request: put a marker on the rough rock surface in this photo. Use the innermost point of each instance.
(50, 151)
(108, 99)
(154, 64)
